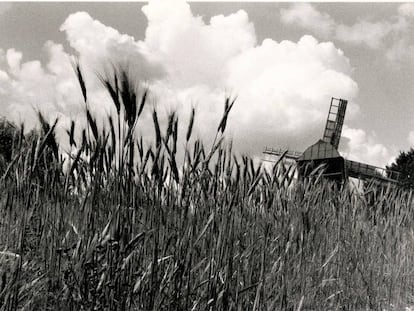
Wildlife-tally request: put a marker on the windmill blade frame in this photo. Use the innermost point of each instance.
(366, 171)
(335, 121)
(277, 152)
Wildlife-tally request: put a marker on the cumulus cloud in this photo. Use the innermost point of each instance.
(410, 138)
(192, 51)
(401, 50)
(97, 43)
(363, 32)
(276, 104)
(28, 87)
(406, 9)
(283, 88)
(53, 89)
(362, 147)
(306, 16)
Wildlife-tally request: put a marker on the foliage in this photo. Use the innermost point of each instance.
(404, 164)
(7, 132)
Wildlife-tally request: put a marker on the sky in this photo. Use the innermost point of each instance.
(283, 61)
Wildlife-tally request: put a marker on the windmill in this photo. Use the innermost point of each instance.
(325, 152)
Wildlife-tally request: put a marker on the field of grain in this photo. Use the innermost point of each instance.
(118, 225)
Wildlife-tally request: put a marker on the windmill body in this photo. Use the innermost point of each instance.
(325, 152)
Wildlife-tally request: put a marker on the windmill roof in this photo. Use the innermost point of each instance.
(319, 150)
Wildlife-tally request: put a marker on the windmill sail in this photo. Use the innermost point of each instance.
(366, 171)
(335, 121)
(290, 154)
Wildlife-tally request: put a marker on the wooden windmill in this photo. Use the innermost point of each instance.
(325, 152)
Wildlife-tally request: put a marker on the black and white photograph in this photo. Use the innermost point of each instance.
(206, 155)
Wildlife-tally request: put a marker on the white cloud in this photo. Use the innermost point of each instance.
(283, 87)
(97, 43)
(406, 9)
(364, 32)
(13, 59)
(192, 51)
(400, 50)
(410, 138)
(306, 16)
(284, 90)
(28, 86)
(402, 46)
(362, 147)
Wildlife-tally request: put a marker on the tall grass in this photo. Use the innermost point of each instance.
(130, 227)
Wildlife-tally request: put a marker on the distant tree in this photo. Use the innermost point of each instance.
(404, 164)
(7, 133)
